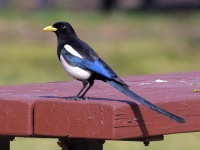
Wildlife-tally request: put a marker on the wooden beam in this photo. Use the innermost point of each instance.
(16, 114)
(108, 114)
(111, 115)
(5, 142)
(80, 144)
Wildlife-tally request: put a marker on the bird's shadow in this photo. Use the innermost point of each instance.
(134, 106)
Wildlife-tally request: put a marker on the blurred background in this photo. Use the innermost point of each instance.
(135, 37)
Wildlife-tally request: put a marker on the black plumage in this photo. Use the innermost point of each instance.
(84, 64)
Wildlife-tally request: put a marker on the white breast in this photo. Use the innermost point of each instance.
(74, 71)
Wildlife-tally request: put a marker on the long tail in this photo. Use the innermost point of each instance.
(129, 93)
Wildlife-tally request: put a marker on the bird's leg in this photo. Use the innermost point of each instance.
(85, 83)
(91, 82)
(78, 97)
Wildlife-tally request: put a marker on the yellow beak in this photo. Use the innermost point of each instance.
(50, 28)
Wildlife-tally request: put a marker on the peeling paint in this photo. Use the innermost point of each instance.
(160, 81)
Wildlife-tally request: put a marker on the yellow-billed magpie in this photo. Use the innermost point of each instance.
(81, 62)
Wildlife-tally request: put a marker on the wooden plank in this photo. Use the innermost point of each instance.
(43, 109)
(111, 115)
(16, 114)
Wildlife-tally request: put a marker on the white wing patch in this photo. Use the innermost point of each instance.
(72, 51)
(74, 71)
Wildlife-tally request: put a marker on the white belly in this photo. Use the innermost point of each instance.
(74, 71)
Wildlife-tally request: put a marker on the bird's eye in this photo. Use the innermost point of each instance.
(63, 27)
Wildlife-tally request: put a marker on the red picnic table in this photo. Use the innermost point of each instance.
(42, 110)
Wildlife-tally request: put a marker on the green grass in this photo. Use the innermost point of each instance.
(131, 43)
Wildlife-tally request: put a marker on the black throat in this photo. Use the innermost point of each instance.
(64, 39)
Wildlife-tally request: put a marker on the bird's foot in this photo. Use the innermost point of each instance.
(77, 98)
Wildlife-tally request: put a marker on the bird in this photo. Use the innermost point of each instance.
(82, 63)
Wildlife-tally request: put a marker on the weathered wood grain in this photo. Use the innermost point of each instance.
(43, 109)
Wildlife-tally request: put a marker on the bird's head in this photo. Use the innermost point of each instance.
(61, 29)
